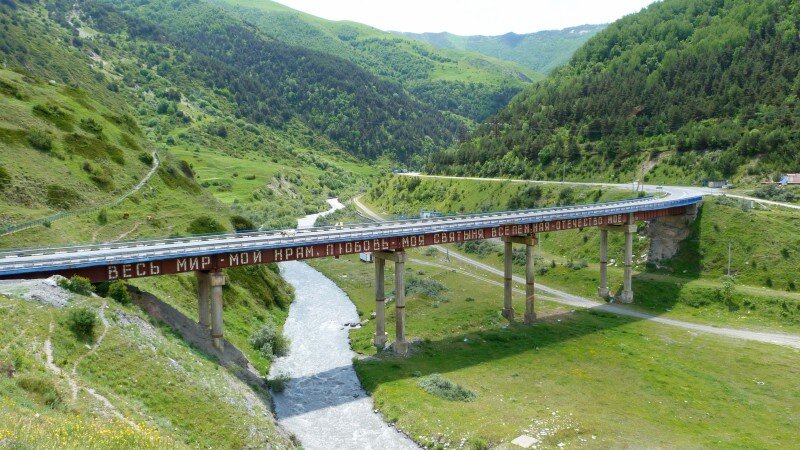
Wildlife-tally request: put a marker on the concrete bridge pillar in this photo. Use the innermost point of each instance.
(399, 257)
(602, 291)
(530, 297)
(380, 304)
(508, 305)
(627, 287)
(217, 281)
(204, 298)
(530, 312)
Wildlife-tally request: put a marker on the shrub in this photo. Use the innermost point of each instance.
(77, 284)
(81, 322)
(241, 223)
(118, 291)
(40, 140)
(279, 382)
(146, 158)
(204, 225)
(102, 217)
(5, 178)
(102, 288)
(91, 126)
(42, 387)
(60, 197)
(425, 287)
(577, 265)
(439, 386)
(269, 341)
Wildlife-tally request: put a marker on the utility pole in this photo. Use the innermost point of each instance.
(729, 257)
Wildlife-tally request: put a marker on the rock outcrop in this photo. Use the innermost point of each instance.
(666, 234)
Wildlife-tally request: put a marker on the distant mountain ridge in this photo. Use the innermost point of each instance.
(542, 51)
(465, 83)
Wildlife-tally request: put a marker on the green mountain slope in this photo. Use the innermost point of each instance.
(687, 89)
(465, 83)
(542, 51)
(82, 110)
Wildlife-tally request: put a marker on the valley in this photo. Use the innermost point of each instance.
(386, 174)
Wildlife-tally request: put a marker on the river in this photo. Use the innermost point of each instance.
(324, 405)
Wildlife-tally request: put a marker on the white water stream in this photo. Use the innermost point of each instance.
(324, 404)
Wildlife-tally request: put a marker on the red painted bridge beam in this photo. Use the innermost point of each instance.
(225, 260)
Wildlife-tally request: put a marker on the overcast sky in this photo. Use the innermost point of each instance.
(470, 17)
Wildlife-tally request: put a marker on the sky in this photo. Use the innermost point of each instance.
(470, 17)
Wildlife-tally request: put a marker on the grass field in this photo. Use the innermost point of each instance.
(160, 392)
(582, 378)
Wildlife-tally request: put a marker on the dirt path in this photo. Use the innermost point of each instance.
(72, 375)
(783, 339)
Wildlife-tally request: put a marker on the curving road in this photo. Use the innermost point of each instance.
(679, 191)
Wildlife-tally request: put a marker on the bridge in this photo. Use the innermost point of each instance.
(387, 241)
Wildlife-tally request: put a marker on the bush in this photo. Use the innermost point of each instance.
(205, 225)
(81, 322)
(118, 291)
(269, 341)
(42, 387)
(577, 265)
(240, 223)
(40, 140)
(439, 386)
(91, 126)
(278, 384)
(77, 284)
(102, 217)
(5, 178)
(60, 197)
(425, 287)
(146, 158)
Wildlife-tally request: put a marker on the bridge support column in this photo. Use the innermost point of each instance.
(380, 304)
(627, 287)
(508, 305)
(399, 257)
(204, 299)
(217, 281)
(530, 312)
(603, 291)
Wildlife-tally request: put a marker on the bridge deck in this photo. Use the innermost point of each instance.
(140, 258)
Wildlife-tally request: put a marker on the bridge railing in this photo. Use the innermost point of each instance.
(255, 240)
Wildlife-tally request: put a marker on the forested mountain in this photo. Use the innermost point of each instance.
(542, 51)
(688, 89)
(82, 111)
(465, 83)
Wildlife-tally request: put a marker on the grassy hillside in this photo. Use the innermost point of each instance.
(542, 51)
(127, 384)
(465, 83)
(96, 152)
(273, 82)
(400, 195)
(693, 90)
